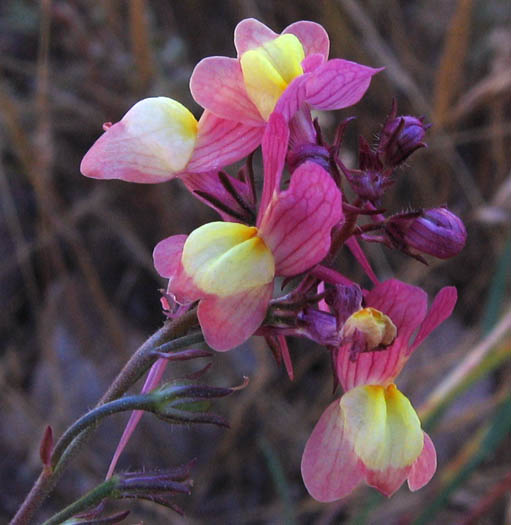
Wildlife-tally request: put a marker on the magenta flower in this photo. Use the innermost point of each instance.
(372, 433)
(159, 139)
(277, 72)
(230, 267)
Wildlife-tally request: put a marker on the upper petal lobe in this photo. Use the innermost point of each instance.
(297, 224)
(217, 84)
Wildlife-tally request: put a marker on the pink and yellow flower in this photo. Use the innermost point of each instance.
(277, 72)
(159, 139)
(230, 267)
(372, 433)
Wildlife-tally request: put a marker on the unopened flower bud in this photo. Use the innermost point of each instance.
(319, 326)
(369, 330)
(437, 232)
(370, 181)
(186, 403)
(305, 152)
(344, 301)
(158, 486)
(400, 137)
(368, 185)
(171, 481)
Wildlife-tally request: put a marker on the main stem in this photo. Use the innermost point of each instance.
(138, 364)
(95, 496)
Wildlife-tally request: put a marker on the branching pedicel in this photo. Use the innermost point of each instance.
(293, 230)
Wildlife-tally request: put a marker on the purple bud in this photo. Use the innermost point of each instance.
(156, 486)
(368, 185)
(304, 152)
(319, 326)
(370, 181)
(437, 232)
(344, 300)
(400, 137)
(367, 158)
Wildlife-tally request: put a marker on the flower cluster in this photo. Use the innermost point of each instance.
(289, 232)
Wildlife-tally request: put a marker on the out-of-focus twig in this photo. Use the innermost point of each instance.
(489, 499)
(14, 224)
(449, 385)
(449, 73)
(140, 43)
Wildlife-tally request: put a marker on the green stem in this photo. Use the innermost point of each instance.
(143, 358)
(92, 418)
(181, 342)
(138, 364)
(92, 498)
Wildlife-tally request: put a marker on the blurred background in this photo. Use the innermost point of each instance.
(78, 292)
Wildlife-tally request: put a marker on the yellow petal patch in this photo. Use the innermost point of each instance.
(267, 70)
(377, 327)
(382, 425)
(225, 258)
(166, 128)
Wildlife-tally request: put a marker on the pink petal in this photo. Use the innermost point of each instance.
(152, 381)
(167, 261)
(182, 287)
(360, 256)
(301, 129)
(312, 36)
(222, 142)
(406, 306)
(338, 84)
(293, 97)
(387, 481)
(167, 255)
(312, 62)
(440, 310)
(424, 467)
(229, 321)
(330, 276)
(274, 147)
(210, 183)
(330, 468)
(297, 224)
(286, 357)
(217, 84)
(250, 33)
(119, 155)
(322, 305)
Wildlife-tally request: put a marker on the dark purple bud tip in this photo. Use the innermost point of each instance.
(400, 137)
(368, 185)
(305, 152)
(372, 178)
(46, 446)
(437, 232)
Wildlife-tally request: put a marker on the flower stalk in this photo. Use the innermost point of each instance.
(138, 364)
